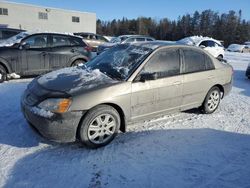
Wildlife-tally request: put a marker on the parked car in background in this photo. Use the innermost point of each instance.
(247, 47)
(127, 83)
(38, 53)
(123, 39)
(109, 38)
(236, 48)
(248, 71)
(6, 33)
(214, 47)
(92, 39)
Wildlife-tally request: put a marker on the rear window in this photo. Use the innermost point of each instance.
(194, 61)
(66, 41)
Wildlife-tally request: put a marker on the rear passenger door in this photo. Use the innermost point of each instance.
(163, 94)
(62, 50)
(198, 71)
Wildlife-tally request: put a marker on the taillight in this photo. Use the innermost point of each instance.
(88, 48)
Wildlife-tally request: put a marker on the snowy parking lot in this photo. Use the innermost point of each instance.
(186, 149)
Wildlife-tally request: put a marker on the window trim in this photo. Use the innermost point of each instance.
(71, 38)
(47, 42)
(75, 19)
(43, 16)
(4, 10)
(183, 61)
(145, 62)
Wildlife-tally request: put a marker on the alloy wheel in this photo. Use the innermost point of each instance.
(101, 128)
(213, 100)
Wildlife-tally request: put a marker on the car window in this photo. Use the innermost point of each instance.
(101, 38)
(60, 41)
(74, 41)
(148, 39)
(164, 62)
(194, 61)
(8, 34)
(209, 62)
(120, 61)
(140, 39)
(204, 43)
(211, 43)
(36, 41)
(130, 40)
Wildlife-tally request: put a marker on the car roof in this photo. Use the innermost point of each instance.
(52, 33)
(157, 44)
(134, 36)
(85, 33)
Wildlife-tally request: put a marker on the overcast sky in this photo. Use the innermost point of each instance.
(111, 9)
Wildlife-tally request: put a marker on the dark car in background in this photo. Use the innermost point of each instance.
(6, 33)
(93, 40)
(248, 71)
(123, 39)
(38, 53)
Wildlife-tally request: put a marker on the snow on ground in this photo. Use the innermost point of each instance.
(186, 149)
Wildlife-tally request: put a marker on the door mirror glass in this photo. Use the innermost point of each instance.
(148, 76)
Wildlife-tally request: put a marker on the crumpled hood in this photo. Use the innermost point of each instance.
(74, 79)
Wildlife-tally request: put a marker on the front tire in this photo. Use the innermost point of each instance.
(211, 101)
(99, 127)
(3, 74)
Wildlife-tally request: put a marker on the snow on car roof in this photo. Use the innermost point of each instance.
(194, 40)
(155, 44)
(17, 38)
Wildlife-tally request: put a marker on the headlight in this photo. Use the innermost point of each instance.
(55, 105)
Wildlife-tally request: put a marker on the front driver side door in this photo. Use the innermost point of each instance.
(35, 56)
(162, 95)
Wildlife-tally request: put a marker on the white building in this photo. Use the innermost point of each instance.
(32, 18)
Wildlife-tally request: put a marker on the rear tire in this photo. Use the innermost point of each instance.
(78, 62)
(3, 74)
(99, 127)
(211, 101)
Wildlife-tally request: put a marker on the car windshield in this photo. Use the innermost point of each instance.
(14, 39)
(119, 62)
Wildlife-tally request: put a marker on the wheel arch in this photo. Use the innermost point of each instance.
(116, 107)
(5, 65)
(84, 58)
(220, 88)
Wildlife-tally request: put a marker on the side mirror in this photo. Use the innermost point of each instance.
(221, 59)
(24, 46)
(202, 46)
(148, 76)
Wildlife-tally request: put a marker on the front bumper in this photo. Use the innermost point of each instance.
(58, 127)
